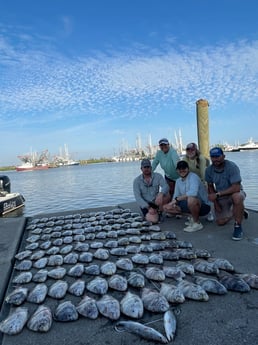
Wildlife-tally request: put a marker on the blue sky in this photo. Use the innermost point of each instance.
(94, 74)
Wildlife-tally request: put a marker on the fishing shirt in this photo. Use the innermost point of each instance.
(168, 162)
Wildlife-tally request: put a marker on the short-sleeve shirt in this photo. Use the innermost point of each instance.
(223, 178)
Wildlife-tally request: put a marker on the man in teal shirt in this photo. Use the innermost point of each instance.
(167, 157)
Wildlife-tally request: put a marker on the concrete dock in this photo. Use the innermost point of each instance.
(229, 319)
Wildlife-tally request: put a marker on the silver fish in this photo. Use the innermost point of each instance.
(58, 242)
(85, 257)
(135, 239)
(40, 276)
(45, 245)
(170, 324)
(55, 260)
(41, 319)
(81, 247)
(131, 249)
(193, 291)
(98, 286)
(171, 256)
(24, 254)
(154, 228)
(15, 322)
(132, 306)
(249, 278)
(232, 282)
(172, 293)
(173, 272)
(111, 244)
(140, 259)
(17, 296)
(204, 266)
(23, 278)
(108, 268)
(160, 236)
(155, 273)
(143, 331)
(222, 264)
(136, 280)
(76, 271)
(71, 258)
(38, 294)
(202, 253)
(68, 239)
(170, 235)
(57, 273)
(66, 249)
(124, 264)
(117, 282)
(53, 250)
(101, 254)
(153, 301)
(66, 312)
(37, 255)
(92, 270)
(87, 307)
(32, 246)
(186, 253)
(40, 263)
(24, 265)
(124, 241)
(146, 248)
(156, 259)
(96, 245)
(58, 289)
(186, 267)
(119, 251)
(109, 307)
(77, 288)
(210, 285)
(33, 238)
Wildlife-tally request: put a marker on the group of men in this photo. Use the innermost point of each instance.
(185, 193)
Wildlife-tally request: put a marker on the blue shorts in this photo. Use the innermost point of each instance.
(205, 209)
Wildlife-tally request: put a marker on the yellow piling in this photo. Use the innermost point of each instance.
(203, 126)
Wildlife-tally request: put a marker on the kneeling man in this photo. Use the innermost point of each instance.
(190, 196)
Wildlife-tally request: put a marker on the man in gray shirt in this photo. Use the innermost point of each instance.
(225, 191)
(151, 192)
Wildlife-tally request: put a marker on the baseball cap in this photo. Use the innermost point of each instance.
(216, 152)
(145, 163)
(163, 141)
(191, 146)
(182, 165)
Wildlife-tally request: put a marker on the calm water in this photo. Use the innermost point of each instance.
(106, 184)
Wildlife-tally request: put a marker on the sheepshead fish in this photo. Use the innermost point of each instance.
(204, 266)
(58, 289)
(109, 307)
(186, 267)
(40, 276)
(172, 293)
(66, 311)
(154, 301)
(76, 271)
(108, 268)
(22, 255)
(86, 257)
(249, 278)
(132, 306)
(55, 260)
(77, 288)
(38, 294)
(171, 256)
(193, 291)
(136, 280)
(71, 258)
(185, 253)
(124, 264)
(17, 296)
(222, 264)
(87, 307)
(154, 273)
(143, 331)
(173, 272)
(118, 283)
(15, 322)
(37, 255)
(40, 263)
(23, 265)
(98, 286)
(22, 278)
(233, 283)
(202, 253)
(119, 251)
(170, 324)
(57, 273)
(140, 259)
(41, 319)
(101, 254)
(156, 259)
(92, 270)
(210, 285)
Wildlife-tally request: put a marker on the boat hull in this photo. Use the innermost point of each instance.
(24, 168)
(10, 202)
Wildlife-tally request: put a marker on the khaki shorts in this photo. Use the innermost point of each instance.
(227, 206)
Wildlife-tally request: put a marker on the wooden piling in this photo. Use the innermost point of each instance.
(203, 126)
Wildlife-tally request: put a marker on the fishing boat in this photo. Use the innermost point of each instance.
(9, 202)
(250, 145)
(34, 161)
(64, 159)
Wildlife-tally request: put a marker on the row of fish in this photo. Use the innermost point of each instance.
(123, 252)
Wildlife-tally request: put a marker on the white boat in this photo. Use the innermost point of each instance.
(9, 202)
(250, 145)
(65, 159)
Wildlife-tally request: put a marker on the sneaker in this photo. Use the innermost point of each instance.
(178, 216)
(189, 221)
(238, 232)
(210, 217)
(194, 227)
(246, 214)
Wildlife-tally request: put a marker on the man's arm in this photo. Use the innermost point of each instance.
(137, 194)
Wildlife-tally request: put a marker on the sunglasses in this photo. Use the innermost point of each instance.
(147, 166)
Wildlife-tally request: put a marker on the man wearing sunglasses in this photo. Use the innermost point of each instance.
(151, 192)
(190, 197)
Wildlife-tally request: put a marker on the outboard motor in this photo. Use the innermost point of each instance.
(5, 184)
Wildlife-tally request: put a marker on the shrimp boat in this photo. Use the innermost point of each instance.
(9, 202)
(33, 161)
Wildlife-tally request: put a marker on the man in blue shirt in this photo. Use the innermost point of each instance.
(190, 196)
(225, 191)
(151, 192)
